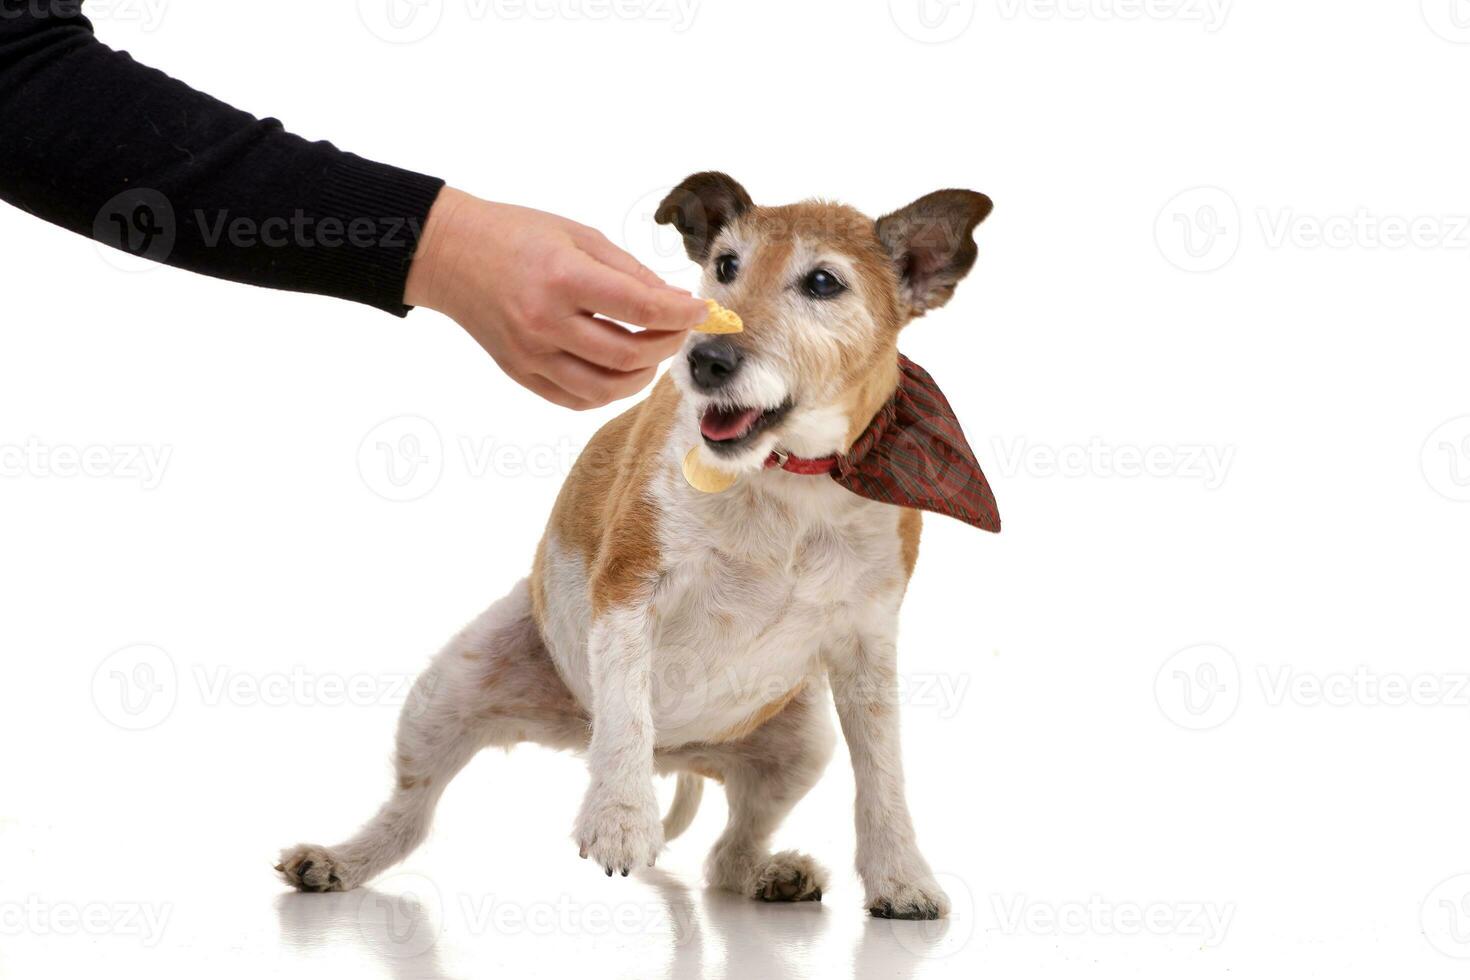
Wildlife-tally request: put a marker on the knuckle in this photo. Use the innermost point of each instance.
(545, 319)
(627, 357)
(647, 311)
(560, 273)
(603, 391)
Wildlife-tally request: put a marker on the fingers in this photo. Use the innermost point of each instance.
(605, 344)
(554, 393)
(594, 385)
(599, 288)
(595, 244)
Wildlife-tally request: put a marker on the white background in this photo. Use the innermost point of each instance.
(1221, 398)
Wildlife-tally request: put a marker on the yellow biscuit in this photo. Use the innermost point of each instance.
(720, 320)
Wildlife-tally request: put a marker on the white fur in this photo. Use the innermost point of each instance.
(767, 594)
(783, 581)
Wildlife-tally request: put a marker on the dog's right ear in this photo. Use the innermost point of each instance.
(700, 206)
(932, 241)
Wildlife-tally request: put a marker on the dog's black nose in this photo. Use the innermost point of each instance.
(713, 363)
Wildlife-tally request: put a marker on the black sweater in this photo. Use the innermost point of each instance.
(97, 143)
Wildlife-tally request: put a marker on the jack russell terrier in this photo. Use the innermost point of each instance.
(722, 556)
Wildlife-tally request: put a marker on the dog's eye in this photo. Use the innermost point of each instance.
(822, 284)
(727, 267)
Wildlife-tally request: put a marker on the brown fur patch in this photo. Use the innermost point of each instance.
(910, 528)
(526, 685)
(707, 772)
(604, 511)
(759, 717)
(538, 585)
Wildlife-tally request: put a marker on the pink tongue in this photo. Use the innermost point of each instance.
(721, 424)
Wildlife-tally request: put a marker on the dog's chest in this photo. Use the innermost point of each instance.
(757, 588)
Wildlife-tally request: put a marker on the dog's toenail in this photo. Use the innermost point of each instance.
(625, 872)
(609, 872)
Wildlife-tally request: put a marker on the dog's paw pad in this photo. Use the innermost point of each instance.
(310, 868)
(791, 877)
(887, 910)
(924, 901)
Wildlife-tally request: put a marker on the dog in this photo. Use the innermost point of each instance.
(666, 630)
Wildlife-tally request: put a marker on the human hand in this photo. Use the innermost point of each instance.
(539, 293)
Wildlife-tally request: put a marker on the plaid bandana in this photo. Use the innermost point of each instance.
(912, 454)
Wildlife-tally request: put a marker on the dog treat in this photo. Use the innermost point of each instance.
(705, 479)
(720, 320)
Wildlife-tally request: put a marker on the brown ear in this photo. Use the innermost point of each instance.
(700, 206)
(932, 242)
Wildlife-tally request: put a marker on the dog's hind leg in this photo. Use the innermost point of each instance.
(493, 685)
(765, 774)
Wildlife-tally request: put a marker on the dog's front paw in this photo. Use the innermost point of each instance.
(311, 868)
(921, 899)
(791, 877)
(620, 832)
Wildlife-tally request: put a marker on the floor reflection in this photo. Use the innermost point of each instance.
(402, 932)
(731, 936)
(709, 934)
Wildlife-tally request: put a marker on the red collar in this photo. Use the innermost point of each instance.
(913, 454)
(799, 465)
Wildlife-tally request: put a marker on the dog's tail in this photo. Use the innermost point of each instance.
(681, 813)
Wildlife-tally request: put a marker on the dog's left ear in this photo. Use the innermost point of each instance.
(932, 242)
(700, 207)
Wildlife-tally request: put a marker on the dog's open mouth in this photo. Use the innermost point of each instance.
(727, 429)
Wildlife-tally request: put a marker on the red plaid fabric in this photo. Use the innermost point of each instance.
(913, 454)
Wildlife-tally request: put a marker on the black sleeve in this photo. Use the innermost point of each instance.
(97, 143)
